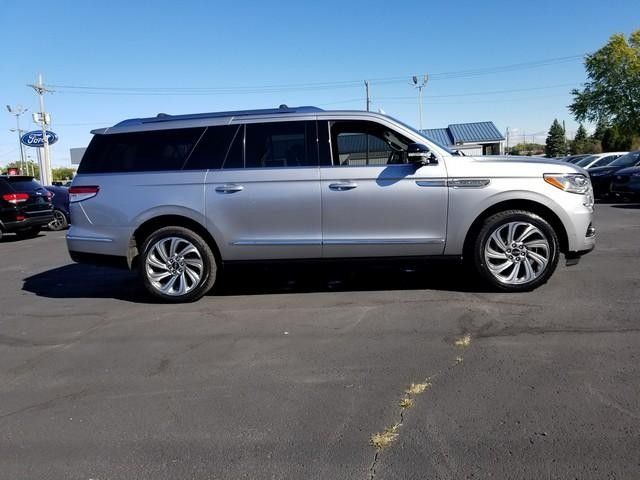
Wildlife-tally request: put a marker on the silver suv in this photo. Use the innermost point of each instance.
(177, 197)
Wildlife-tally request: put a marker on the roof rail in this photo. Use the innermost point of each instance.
(164, 117)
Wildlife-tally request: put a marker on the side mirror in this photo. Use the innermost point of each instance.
(419, 154)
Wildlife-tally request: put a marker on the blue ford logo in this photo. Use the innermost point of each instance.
(34, 139)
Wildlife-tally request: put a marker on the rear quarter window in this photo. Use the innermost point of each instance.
(156, 150)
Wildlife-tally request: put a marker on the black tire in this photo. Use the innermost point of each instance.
(59, 221)
(208, 273)
(500, 220)
(30, 232)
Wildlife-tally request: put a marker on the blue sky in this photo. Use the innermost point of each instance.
(169, 49)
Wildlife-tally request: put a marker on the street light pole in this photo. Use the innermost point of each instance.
(17, 111)
(420, 86)
(366, 87)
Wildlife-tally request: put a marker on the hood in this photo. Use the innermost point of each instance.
(505, 166)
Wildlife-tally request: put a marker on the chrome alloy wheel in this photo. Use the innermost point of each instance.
(517, 253)
(174, 266)
(59, 221)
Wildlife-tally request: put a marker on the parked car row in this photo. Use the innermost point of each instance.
(26, 207)
(593, 160)
(620, 178)
(613, 174)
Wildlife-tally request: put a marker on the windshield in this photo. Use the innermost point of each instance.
(605, 161)
(628, 160)
(585, 161)
(418, 132)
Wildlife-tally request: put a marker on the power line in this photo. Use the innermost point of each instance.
(329, 85)
(488, 92)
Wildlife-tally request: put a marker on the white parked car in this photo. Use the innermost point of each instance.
(599, 159)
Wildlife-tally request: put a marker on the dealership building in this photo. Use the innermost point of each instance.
(479, 138)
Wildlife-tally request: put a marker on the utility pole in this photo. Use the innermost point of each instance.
(17, 111)
(43, 118)
(420, 85)
(366, 87)
(508, 132)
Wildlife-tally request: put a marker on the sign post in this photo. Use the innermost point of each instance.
(45, 164)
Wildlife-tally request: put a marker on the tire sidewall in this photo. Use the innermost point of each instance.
(208, 259)
(64, 223)
(499, 219)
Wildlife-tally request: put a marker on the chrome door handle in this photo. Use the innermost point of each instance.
(342, 186)
(229, 188)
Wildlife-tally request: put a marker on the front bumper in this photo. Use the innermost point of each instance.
(601, 185)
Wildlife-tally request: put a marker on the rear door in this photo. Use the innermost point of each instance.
(263, 197)
(374, 203)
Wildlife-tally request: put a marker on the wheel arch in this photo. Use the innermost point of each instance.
(167, 220)
(517, 204)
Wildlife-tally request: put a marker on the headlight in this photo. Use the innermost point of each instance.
(637, 174)
(569, 182)
(598, 174)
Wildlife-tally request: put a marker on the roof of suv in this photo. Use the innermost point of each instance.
(165, 121)
(164, 117)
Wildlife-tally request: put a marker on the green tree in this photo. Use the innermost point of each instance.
(31, 168)
(62, 173)
(612, 90)
(614, 140)
(556, 144)
(601, 127)
(578, 145)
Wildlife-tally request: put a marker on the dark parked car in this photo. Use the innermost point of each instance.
(626, 183)
(60, 208)
(601, 177)
(25, 206)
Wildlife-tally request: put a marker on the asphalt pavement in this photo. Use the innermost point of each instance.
(288, 371)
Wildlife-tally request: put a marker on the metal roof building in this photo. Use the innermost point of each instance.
(479, 138)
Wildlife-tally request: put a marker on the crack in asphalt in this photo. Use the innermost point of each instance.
(47, 403)
(414, 390)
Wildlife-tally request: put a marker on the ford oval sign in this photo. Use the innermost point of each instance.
(34, 139)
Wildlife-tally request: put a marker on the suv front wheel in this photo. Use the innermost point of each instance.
(516, 250)
(177, 265)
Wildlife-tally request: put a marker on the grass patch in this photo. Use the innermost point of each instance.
(463, 341)
(417, 388)
(406, 402)
(385, 438)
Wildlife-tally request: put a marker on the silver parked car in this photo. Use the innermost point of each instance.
(177, 197)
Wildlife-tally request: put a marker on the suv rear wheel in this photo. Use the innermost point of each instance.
(177, 265)
(516, 250)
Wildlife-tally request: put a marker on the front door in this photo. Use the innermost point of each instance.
(374, 203)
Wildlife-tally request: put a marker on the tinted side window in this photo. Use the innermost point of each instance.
(213, 148)
(280, 144)
(235, 155)
(361, 143)
(140, 151)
